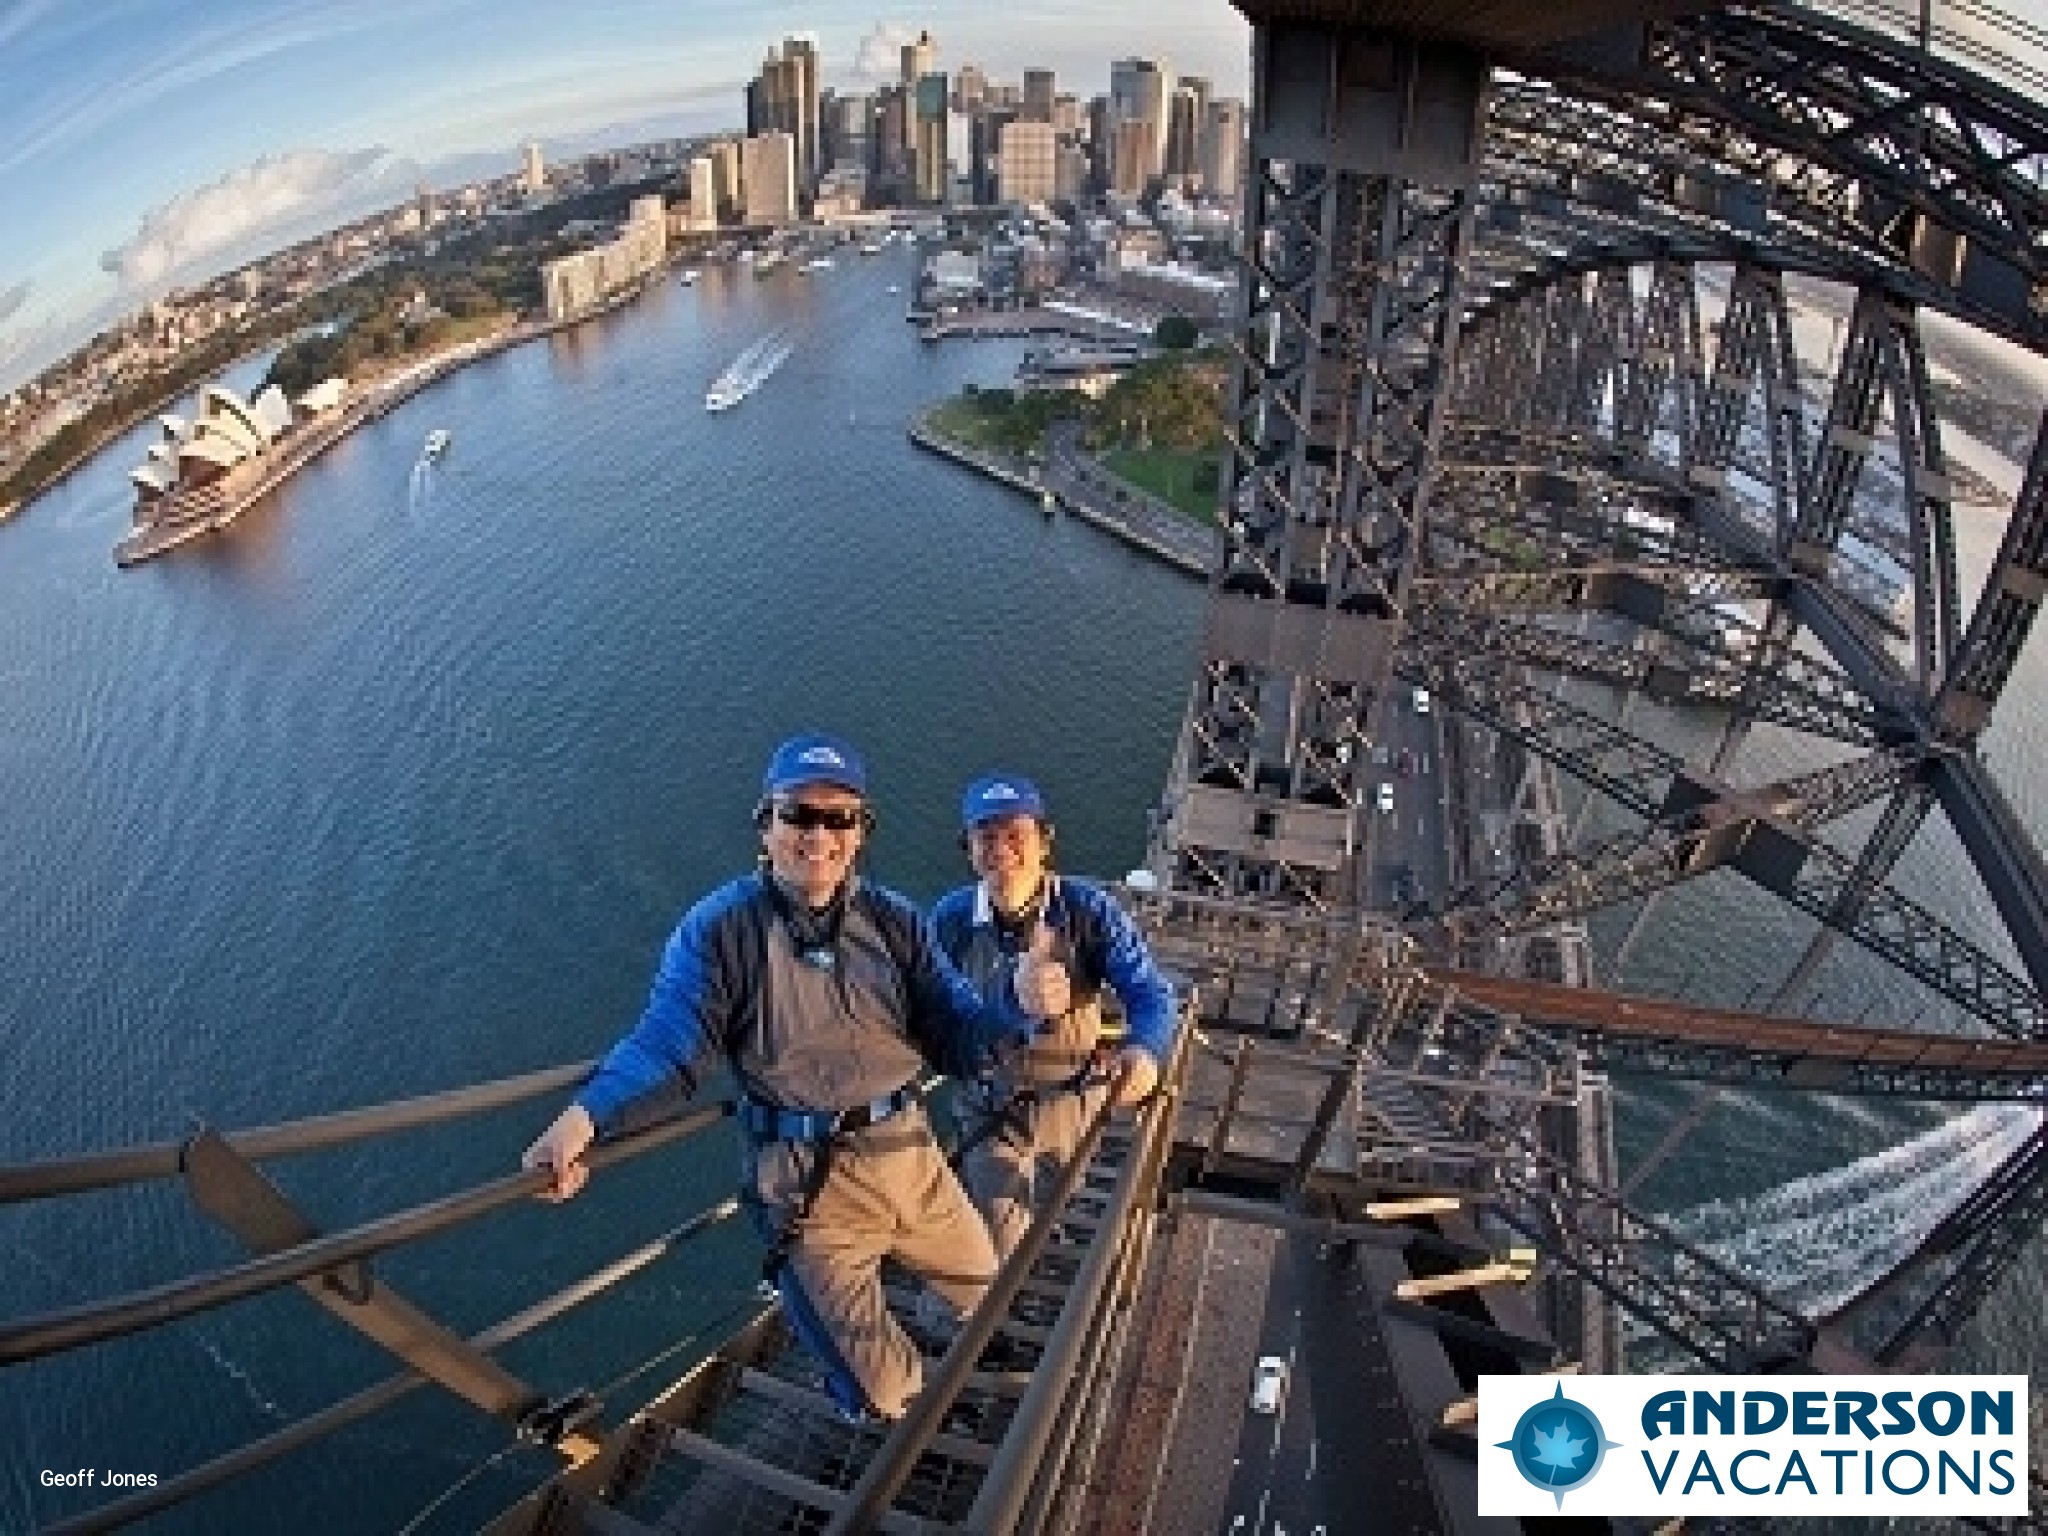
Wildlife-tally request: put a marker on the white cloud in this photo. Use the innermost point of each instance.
(11, 299)
(276, 193)
(881, 51)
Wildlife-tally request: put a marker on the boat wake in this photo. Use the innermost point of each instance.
(1818, 1241)
(749, 371)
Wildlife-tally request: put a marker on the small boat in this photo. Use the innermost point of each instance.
(819, 264)
(688, 276)
(437, 444)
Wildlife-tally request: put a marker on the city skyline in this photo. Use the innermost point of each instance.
(144, 148)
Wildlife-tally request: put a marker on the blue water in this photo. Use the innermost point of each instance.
(401, 782)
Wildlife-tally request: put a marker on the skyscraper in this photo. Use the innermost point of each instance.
(984, 152)
(1027, 163)
(703, 194)
(768, 170)
(1223, 148)
(1038, 94)
(803, 54)
(1138, 91)
(888, 146)
(970, 86)
(783, 98)
(917, 63)
(853, 118)
(728, 186)
(930, 149)
(918, 58)
(534, 176)
(1186, 126)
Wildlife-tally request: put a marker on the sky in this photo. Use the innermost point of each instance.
(146, 144)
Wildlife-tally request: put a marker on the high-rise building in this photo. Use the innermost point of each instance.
(783, 98)
(703, 194)
(803, 53)
(1138, 92)
(534, 176)
(768, 170)
(1223, 147)
(984, 153)
(852, 126)
(1133, 151)
(1027, 163)
(1069, 117)
(1186, 125)
(970, 87)
(918, 58)
(1038, 96)
(889, 140)
(1070, 171)
(728, 186)
(917, 63)
(929, 157)
(1101, 140)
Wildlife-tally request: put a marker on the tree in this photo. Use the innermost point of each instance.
(1175, 333)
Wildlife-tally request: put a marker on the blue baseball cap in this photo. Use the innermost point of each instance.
(814, 758)
(1000, 794)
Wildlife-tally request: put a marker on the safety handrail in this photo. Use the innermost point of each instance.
(894, 1460)
(162, 1159)
(1009, 1476)
(315, 1426)
(71, 1327)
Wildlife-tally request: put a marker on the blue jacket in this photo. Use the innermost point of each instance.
(1092, 934)
(804, 1026)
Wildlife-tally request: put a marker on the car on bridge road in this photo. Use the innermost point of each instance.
(1269, 1384)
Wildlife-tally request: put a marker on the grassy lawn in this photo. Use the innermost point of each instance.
(1170, 474)
(959, 420)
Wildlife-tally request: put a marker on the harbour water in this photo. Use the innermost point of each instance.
(399, 782)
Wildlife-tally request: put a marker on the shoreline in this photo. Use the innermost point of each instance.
(380, 397)
(1191, 556)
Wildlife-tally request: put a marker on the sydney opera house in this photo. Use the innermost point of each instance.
(228, 431)
(203, 471)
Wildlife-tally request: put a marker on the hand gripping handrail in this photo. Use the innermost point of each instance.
(161, 1160)
(67, 1328)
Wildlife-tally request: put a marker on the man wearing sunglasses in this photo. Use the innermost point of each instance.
(829, 999)
(1031, 1104)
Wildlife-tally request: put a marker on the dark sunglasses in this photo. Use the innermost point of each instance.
(833, 818)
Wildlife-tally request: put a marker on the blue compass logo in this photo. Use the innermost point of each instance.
(1558, 1444)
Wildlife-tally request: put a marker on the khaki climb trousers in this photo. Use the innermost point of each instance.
(1014, 1151)
(887, 1192)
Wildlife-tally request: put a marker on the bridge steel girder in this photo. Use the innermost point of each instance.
(1359, 217)
(1699, 669)
(1759, 832)
(1945, 169)
(1802, 871)
(2011, 600)
(1721, 1318)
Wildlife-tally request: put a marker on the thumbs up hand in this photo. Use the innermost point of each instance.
(1043, 986)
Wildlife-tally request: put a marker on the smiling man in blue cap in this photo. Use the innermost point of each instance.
(1030, 1104)
(829, 998)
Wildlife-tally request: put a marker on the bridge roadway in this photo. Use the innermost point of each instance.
(1623, 1030)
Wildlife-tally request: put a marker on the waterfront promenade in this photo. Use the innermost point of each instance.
(1077, 483)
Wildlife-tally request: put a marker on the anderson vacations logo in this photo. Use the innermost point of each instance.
(1753, 1445)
